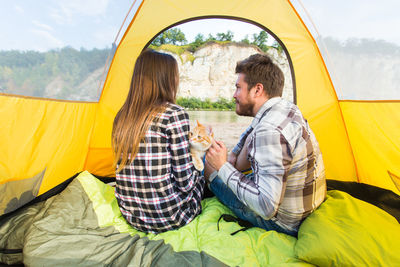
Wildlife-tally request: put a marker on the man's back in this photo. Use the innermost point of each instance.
(304, 185)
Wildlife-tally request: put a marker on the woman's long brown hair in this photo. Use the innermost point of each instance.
(154, 84)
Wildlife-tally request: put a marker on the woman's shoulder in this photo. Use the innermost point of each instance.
(174, 113)
(173, 109)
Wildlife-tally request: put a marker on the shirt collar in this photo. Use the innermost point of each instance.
(267, 105)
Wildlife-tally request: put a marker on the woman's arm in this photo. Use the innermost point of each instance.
(182, 169)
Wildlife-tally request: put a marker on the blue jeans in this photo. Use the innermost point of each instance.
(229, 199)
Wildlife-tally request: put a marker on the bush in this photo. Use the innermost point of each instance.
(197, 103)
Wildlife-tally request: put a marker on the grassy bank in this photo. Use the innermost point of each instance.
(194, 103)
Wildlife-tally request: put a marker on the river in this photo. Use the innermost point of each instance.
(226, 125)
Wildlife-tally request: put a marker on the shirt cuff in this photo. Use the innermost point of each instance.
(226, 171)
(212, 176)
(236, 150)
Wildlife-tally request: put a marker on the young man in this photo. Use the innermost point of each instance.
(287, 182)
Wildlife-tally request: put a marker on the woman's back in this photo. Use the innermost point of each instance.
(161, 190)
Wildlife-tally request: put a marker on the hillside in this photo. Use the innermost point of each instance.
(61, 74)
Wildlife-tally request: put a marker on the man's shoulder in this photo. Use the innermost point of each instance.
(281, 115)
(284, 118)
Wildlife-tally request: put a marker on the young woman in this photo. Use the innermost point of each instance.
(158, 188)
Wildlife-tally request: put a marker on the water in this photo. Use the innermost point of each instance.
(218, 116)
(226, 125)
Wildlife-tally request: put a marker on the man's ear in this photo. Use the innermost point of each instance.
(259, 89)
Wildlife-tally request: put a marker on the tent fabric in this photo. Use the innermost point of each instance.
(38, 134)
(67, 137)
(315, 94)
(359, 141)
(374, 134)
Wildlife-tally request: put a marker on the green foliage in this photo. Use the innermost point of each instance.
(228, 36)
(175, 36)
(177, 50)
(210, 38)
(277, 46)
(260, 40)
(245, 40)
(172, 36)
(197, 103)
(198, 41)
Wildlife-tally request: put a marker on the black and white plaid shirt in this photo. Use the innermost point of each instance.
(161, 190)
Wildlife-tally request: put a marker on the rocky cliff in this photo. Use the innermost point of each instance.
(210, 71)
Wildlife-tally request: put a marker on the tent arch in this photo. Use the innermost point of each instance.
(314, 91)
(262, 27)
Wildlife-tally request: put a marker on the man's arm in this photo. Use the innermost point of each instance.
(263, 192)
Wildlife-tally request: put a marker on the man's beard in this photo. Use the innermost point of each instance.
(244, 109)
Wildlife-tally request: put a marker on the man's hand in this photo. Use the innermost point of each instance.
(208, 170)
(216, 155)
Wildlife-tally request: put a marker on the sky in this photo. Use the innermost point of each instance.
(344, 19)
(47, 24)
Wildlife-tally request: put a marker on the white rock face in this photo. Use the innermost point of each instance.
(212, 72)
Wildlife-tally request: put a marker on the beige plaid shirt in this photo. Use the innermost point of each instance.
(288, 179)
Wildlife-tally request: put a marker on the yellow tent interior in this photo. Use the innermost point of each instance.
(360, 140)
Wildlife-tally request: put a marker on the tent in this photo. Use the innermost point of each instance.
(359, 139)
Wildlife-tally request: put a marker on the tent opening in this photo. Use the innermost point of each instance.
(207, 51)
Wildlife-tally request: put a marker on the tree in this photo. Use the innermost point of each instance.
(228, 36)
(198, 41)
(245, 40)
(210, 38)
(172, 36)
(277, 46)
(260, 40)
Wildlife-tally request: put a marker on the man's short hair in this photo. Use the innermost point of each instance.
(259, 68)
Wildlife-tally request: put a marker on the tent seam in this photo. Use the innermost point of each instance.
(334, 91)
(105, 83)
